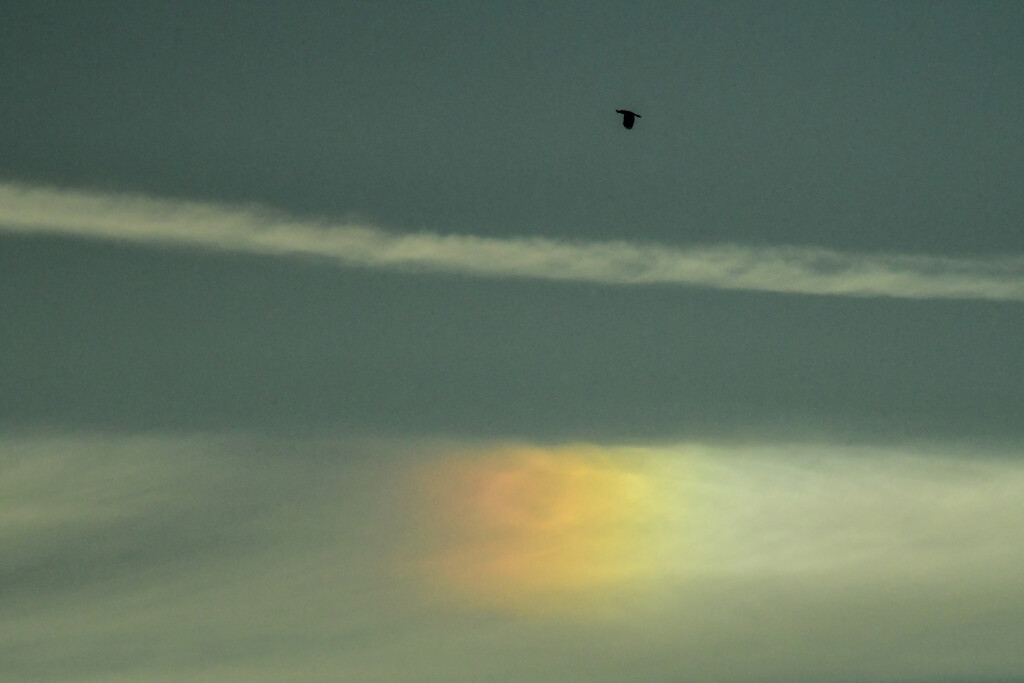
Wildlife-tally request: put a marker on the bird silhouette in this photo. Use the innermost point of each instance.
(628, 117)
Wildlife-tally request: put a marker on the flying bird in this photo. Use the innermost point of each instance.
(628, 117)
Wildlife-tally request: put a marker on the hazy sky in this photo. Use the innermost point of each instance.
(359, 341)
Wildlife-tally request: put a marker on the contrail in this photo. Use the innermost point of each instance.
(253, 229)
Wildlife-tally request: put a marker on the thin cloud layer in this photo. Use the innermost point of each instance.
(225, 558)
(252, 229)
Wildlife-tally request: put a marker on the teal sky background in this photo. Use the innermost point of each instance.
(874, 126)
(186, 425)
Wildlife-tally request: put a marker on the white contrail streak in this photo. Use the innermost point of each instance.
(806, 270)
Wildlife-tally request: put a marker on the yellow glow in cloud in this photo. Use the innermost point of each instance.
(609, 530)
(530, 529)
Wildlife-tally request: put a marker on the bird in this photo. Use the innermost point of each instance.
(628, 117)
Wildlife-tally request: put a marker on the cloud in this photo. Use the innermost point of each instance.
(528, 522)
(231, 558)
(252, 229)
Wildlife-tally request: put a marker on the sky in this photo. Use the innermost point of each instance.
(360, 341)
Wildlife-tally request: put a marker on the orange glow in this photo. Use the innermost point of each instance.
(532, 529)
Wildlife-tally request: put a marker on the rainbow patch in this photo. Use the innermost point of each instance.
(532, 529)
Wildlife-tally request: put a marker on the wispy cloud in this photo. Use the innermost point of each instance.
(253, 229)
(235, 558)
